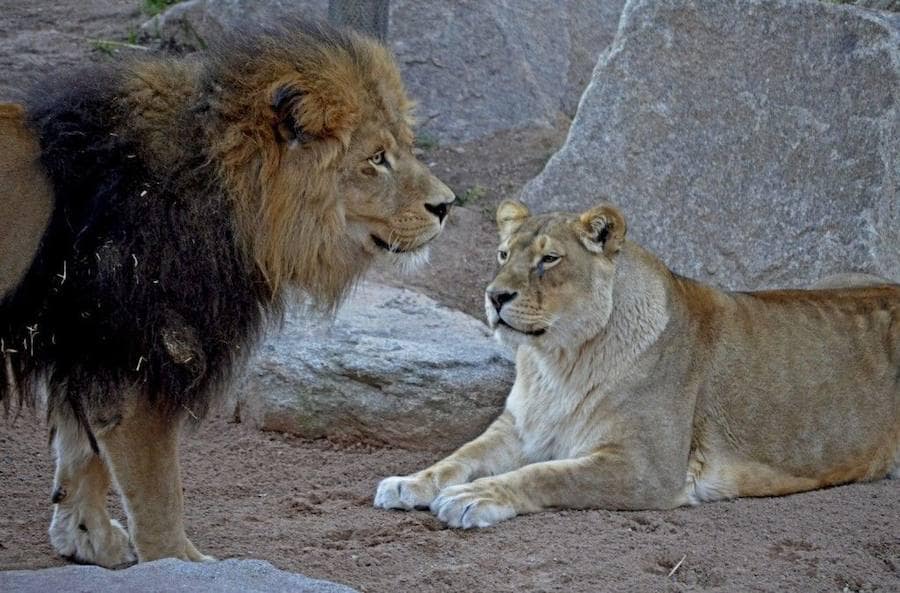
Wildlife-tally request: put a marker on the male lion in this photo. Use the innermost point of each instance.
(640, 389)
(156, 215)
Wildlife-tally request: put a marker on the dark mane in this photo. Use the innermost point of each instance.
(139, 282)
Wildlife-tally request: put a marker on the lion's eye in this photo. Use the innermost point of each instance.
(502, 255)
(549, 259)
(378, 159)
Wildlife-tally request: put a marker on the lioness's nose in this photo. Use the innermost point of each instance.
(440, 210)
(500, 297)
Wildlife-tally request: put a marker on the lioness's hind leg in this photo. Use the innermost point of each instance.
(142, 451)
(81, 528)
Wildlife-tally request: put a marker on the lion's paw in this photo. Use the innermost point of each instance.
(405, 492)
(96, 540)
(195, 555)
(478, 504)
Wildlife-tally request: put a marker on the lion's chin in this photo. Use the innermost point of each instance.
(407, 262)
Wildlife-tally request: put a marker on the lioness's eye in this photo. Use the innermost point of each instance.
(549, 259)
(378, 159)
(502, 255)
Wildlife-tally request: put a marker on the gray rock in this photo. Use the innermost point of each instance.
(190, 24)
(476, 68)
(751, 143)
(165, 576)
(890, 5)
(393, 367)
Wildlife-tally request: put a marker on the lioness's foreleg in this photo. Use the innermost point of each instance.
(601, 480)
(81, 528)
(497, 450)
(142, 451)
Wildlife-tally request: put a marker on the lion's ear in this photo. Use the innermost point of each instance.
(602, 229)
(510, 216)
(285, 107)
(312, 111)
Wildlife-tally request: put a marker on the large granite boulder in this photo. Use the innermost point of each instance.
(166, 576)
(475, 67)
(751, 143)
(393, 367)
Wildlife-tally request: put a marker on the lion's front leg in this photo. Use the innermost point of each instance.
(142, 451)
(81, 528)
(601, 480)
(497, 450)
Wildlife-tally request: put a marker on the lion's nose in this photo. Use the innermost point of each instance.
(440, 210)
(500, 297)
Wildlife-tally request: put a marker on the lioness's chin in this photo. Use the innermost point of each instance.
(525, 332)
(510, 336)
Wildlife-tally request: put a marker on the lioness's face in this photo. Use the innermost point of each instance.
(394, 205)
(555, 281)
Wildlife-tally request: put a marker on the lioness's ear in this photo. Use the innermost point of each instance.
(602, 229)
(510, 216)
(304, 112)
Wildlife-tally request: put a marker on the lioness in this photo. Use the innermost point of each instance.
(639, 389)
(155, 216)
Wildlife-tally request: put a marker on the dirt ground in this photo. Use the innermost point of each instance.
(306, 506)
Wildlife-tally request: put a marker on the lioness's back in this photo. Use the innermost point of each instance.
(791, 367)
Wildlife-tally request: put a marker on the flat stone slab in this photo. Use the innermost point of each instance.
(393, 367)
(168, 576)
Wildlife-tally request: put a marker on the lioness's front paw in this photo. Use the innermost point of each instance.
(478, 504)
(405, 492)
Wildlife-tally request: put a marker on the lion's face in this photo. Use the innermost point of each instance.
(394, 205)
(555, 281)
(320, 151)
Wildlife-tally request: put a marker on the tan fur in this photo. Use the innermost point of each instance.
(149, 479)
(645, 390)
(27, 199)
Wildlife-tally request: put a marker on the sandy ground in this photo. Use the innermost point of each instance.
(306, 506)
